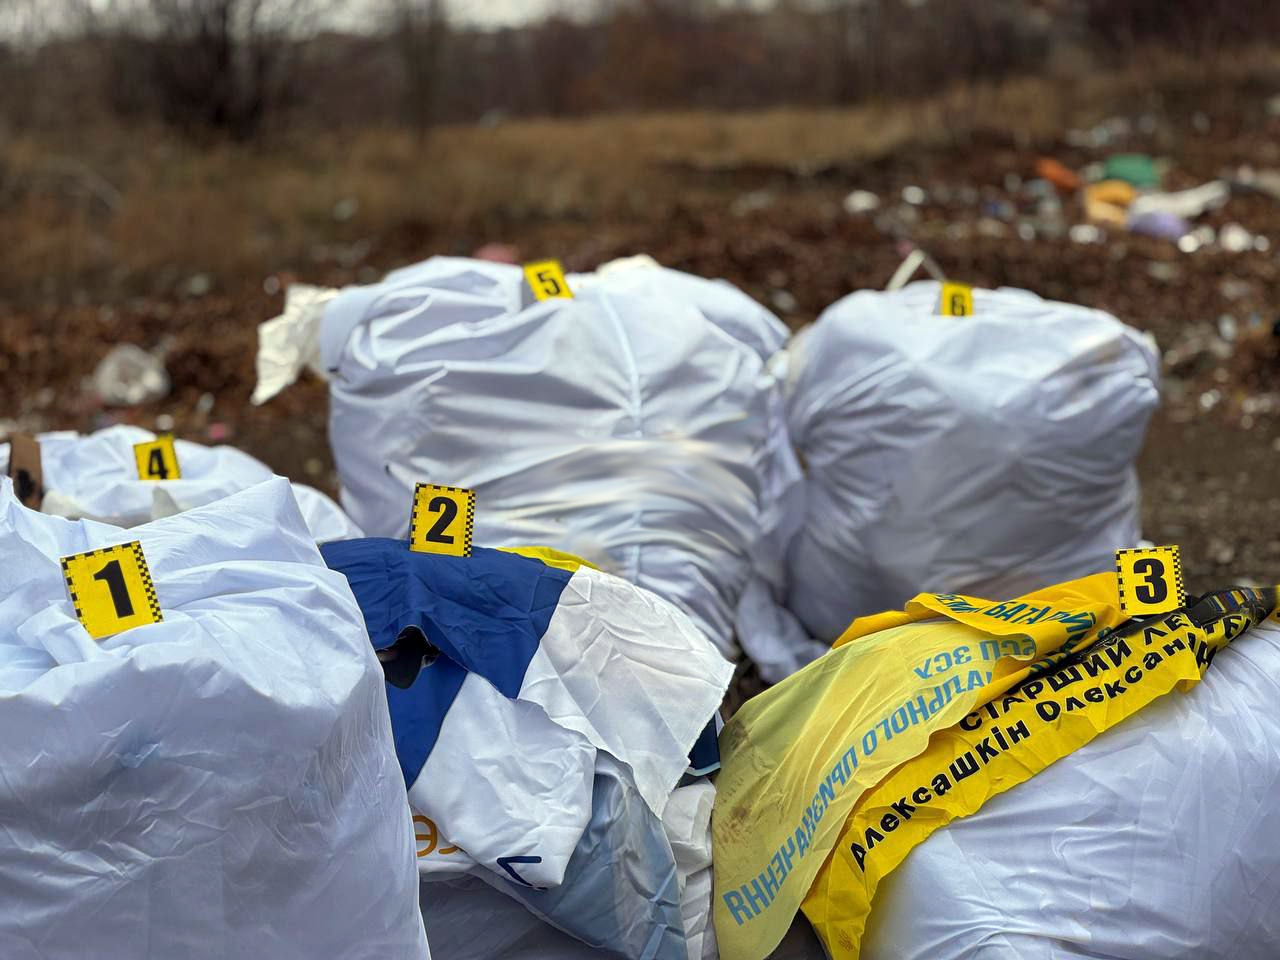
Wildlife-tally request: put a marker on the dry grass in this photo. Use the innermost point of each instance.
(166, 209)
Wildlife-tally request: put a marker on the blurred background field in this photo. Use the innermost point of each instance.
(168, 166)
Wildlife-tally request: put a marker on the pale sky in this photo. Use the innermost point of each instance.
(505, 12)
(37, 17)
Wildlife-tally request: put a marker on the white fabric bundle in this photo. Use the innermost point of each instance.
(542, 741)
(638, 425)
(219, 784)
(95, 477)
(990, 454)
(1160, 839)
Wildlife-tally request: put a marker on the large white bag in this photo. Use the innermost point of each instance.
(219, 784)
(95, 477)
(1158, 839)
(638, 425)
(991, 454)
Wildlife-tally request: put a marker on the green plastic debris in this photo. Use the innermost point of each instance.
(1135, 168)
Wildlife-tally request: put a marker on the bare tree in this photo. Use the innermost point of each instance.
(420, 31)
(211, 64)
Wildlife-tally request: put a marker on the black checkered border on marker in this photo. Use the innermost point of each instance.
(1174, 557)
(148, 585)
(469, 522)
(153, 601)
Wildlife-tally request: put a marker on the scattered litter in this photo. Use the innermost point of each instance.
(1137, 169)
(1202, 236)
(1115, 192)
(1157, 223)
(343, 254)
(197, 285)
(752, 201)
(1107, 202)
(1197, 350)
(1187, 204)
(1058, 174)
(1263, 181)
(128, 376)
(1235, 238)
(1093, 172)
(987, 227)
(1085, 233)
(1233, 288)
(345, 209)
(860, 201)
(1221, 552)
(783, 301)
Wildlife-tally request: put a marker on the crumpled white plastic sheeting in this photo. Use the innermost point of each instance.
(1160, 839)
(638, 425)
(687, 822)
(991, 454)
(220, 784)
(95, 477)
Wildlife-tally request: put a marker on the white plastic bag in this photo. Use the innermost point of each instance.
(990, 454)
(639, 425)
(474, 920)
(1158, 839)
(96, 477)
(471, 920)
(219, 784)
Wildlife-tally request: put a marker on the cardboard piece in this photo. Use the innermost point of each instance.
(25, 469)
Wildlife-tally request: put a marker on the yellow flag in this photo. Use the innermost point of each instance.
(1010, 739)
(797, 758)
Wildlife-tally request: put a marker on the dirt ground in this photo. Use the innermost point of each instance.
(785, 235)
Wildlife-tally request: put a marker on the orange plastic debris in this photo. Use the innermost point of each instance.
(1061, 176)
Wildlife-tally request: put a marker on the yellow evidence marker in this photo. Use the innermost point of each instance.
(111, 589)
(956, 300)
(1150, 580)
(442, 520)
(546, 280)
(157, 459)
